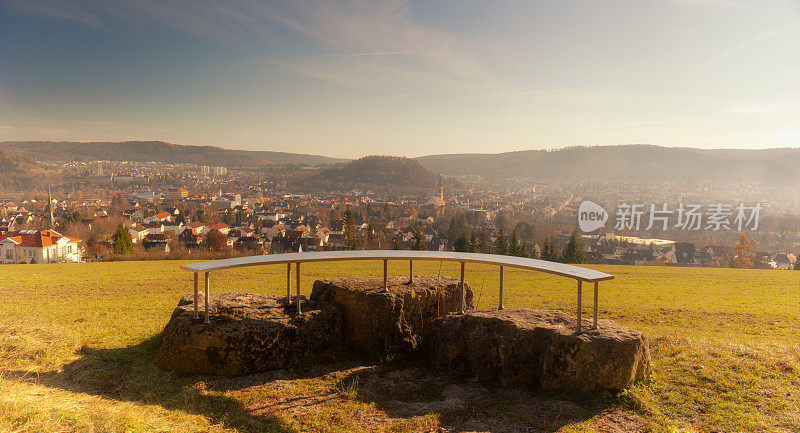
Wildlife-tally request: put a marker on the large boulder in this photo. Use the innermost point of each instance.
(380, 323)
(248, 333)
(539, 349)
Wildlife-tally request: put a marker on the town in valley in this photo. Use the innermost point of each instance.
(193, 211)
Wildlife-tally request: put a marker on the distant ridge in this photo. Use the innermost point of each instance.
(629, 162)
(145, 151)
(624, 162)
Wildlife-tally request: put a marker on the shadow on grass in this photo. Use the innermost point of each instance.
(128, 374)
(399, 390)
(406, 389)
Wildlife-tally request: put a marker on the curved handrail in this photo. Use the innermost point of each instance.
(570, 271)
(560, 269)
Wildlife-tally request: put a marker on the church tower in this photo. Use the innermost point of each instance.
(50, 208)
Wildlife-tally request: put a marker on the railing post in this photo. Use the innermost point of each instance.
(461, 291)
(500, 306)
(596, 290)
(385, 275)
(196, 307)
(207, 276)
(297, 269)
(288, 284)
(410, 272)
(580, 288)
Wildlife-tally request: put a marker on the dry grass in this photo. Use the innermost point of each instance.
(76, 343)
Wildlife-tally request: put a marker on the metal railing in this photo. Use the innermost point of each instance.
(577, 273)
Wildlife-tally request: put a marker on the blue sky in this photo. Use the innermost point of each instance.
(408, 78)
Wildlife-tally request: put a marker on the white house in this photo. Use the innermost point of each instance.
(137, 233)
(172, 227)
(154, 228)
(272, 216)
(195, 226)
(39, 246)
(221, 227)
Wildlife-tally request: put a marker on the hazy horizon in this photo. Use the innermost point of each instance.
(419, 155)
(405, 78)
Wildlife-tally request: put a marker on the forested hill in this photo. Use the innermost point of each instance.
(641, 162)
(18, 173)
(157, 151)
(381, 173)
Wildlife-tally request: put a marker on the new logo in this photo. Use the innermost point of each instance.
(591, 216)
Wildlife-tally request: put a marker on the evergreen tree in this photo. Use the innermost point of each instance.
(797, 263)
(350, 239)
(501, 244)
(530, 250)
(483, 243)
(549, 250)
(514, 246)
(371, 244)
(456, 227)
(122, 241)
(228, 219)
(473, 242)
(501, 221)
(419, 240)
(461, 244)
(73, 217)
(397, 242)
(573, 252)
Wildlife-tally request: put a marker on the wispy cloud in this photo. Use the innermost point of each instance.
(593, 96)
(383, 31)
(55, 9)
(391, 53)
(348, 29)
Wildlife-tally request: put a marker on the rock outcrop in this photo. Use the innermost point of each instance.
(379, 324)
(252, 333)
(248, 333)
(539, 349)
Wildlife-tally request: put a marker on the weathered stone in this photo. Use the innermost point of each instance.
(248, 333)
(539, 349)
(378, 323)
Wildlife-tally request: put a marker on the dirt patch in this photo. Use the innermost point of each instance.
(410, 397)
(620, 421)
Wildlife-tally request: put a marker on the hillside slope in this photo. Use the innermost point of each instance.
(18, 173)
(381, 173)
(158, 151)
(642, 162)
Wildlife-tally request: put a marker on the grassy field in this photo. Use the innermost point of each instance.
(76, 344)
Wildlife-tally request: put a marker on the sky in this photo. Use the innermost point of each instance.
(398, 77)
